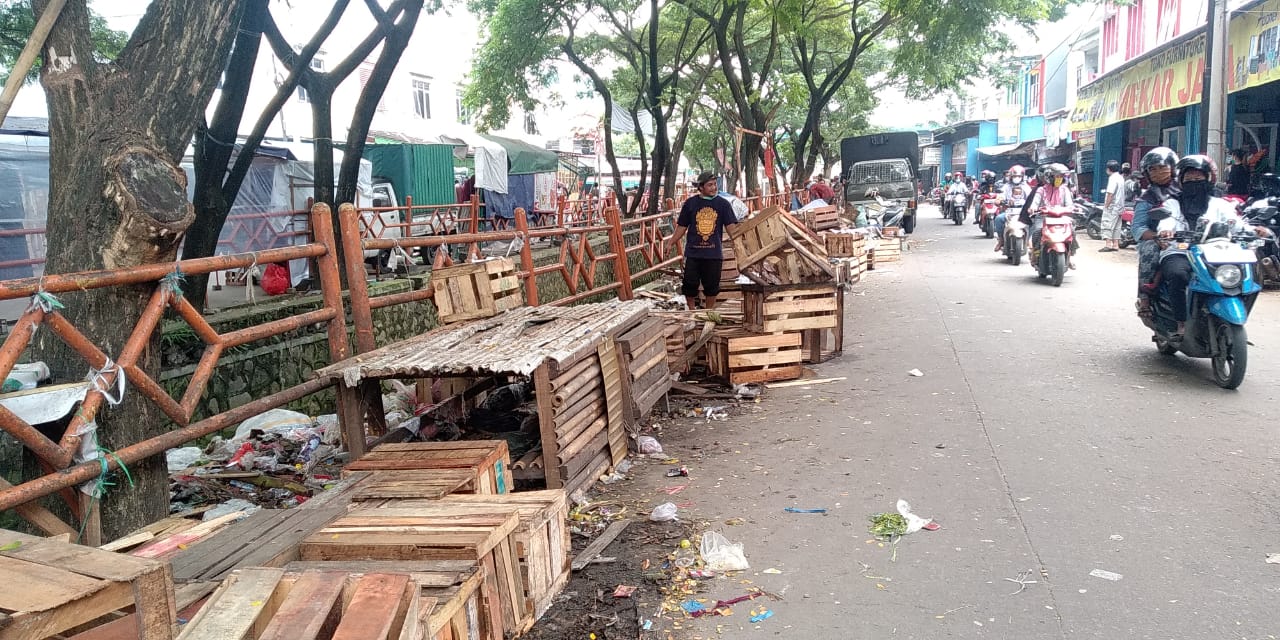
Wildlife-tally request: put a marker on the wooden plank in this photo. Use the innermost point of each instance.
(38, 516)
(766, 375)
(612, 372)
(598, 545)
(740, 342)
(235, 607)
(377, 601)
(170, 544)
(88, 561)
(737, 360)
(311, 610)
(44, 587)
(155, 608)
(131, 540)
(827, 302)
(803, 383)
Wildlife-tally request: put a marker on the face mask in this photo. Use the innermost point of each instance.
(1195, 197)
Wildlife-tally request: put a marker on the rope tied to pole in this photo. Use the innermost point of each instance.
(173, 282)
(45, 301)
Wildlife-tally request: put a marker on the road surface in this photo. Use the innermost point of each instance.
(1047, 437)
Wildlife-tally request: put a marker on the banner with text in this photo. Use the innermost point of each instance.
(1168, 80)
(1253, 43)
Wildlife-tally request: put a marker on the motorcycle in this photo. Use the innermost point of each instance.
(958, 210)
(988, 209)
(1015, 239)
(1265, 212)
(1091, 212)
(1220, 296)
(1057, 234)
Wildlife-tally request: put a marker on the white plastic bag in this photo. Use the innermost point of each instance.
(914, 522)
(665, 512)
(648, 444)
(721, 555)
(182, 459)
(275, 421)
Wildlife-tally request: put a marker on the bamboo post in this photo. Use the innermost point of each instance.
(350, 408)
(361, 312)
(18, 74)
(526, 260)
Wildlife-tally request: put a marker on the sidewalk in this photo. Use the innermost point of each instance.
(855, 447)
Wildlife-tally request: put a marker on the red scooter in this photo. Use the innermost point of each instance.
(988, 209)
(1057, 235)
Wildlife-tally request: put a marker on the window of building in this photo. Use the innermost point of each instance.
(530, 125)
(1111, 36)
(1033, 93)
(317, 63)
(1167, 20)
(1133, 42)
(464, 114)
(422, 97)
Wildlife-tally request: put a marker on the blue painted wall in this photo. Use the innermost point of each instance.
(987, 133)
(971, 155)
(1194, 142)
(1031, 128)
(944, 167)
(1110, 144)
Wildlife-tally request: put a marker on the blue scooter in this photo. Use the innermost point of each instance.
(1221, 293)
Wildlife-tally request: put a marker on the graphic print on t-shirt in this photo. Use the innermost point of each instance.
(706, 222)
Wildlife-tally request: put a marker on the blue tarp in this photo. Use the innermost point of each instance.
(503, 205)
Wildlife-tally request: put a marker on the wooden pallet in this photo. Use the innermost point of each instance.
(333, 601)
(580, 437)
(643, 353)
(788, 308)
(53, 586)
(885, 250)
(488, 460)
(476, 290)
(739, 356)
(388, 534)
(541, 537)
(771, 247)
(415, 483)
(822, 344)
(821, 218)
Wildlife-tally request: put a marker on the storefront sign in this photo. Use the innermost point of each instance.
(1168, 80)
(1254, 46)
(1175, 78)
(931, 156)
(1007, 129)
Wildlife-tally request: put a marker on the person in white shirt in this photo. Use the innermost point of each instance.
(1112, 207)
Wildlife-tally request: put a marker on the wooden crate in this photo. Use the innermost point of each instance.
(821, 218)
(771, 247)
(415, 483)
(476, 290)
(823, 344)
(339, 601)
(790, 308)
(886, 250)
(488, 460)
(389, 534)
(844, 245)
(739, 356)
(643, 353)
(53, 586)
(541, 537)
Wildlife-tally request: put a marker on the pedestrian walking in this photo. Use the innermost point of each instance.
(1112, 207)
(709, 216)
(1238, 177)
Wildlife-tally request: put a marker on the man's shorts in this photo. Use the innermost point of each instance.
(701, 271)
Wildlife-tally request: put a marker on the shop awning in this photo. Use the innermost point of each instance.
(1015, 149)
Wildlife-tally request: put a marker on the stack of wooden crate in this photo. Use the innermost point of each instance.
(795, 300)
(848, 252)
(432, 545)
(887, 248)
(476, 290)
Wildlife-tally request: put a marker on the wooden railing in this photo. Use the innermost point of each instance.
(582, 249)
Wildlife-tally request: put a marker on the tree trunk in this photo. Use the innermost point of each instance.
(215, 146)
(117, 198)
(322, 141)
(598, 83)
(644, 162)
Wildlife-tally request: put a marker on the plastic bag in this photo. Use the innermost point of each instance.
(914, 522)
(275, 420)
(182, 459)
(275, 280)
(648, 444)
(665, 512)
(721, 555)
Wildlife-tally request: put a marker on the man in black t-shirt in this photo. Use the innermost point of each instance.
(708, 215)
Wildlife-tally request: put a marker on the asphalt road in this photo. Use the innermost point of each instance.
(1046, 436)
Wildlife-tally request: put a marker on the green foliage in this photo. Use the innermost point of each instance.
(515, 60)
(17, 21)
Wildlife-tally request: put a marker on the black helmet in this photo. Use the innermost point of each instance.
(1158, 156)
(1197, 162)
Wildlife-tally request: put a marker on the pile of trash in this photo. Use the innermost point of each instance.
(277, 459)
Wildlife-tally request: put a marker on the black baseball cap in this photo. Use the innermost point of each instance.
(703, 178)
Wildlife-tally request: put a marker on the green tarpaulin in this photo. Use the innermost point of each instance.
(523, 157)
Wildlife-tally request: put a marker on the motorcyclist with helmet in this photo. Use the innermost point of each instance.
(958, 186)
(1016, 192)
(1195, 176)
(1157, 167)
(1051, 191)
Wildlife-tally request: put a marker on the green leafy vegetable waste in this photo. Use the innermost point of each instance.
(888, 525)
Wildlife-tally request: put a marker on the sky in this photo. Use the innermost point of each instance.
(895, 111)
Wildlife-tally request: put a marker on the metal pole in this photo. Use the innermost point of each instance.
(1212, 102)
(18, 74)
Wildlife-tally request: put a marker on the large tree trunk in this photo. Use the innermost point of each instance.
(117, 198)
(322, 142)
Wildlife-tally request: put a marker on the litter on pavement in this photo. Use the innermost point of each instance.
(1105, 575)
